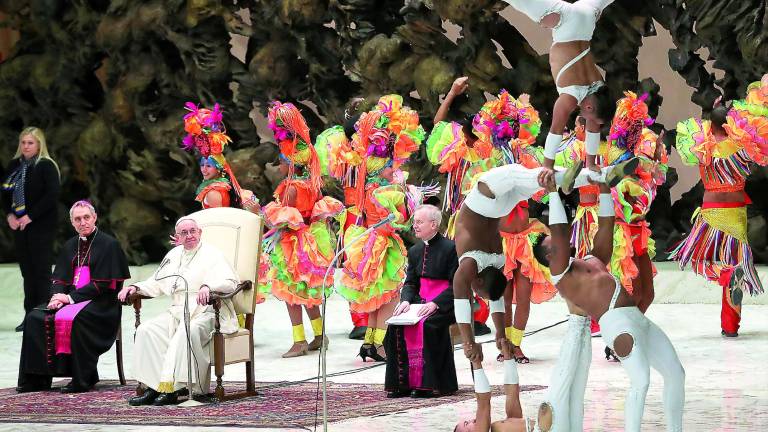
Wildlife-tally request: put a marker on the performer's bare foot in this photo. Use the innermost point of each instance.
(317, 343)
(297, 349)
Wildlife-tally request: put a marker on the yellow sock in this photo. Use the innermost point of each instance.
(514, 335)
(368, 335)
(298, 333)
(378, 336)
(317, 326)
(241, 320)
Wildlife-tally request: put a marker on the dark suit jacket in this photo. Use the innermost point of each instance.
(41, 192)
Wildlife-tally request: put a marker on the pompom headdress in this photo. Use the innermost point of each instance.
(385, 137)
(626, 132)
(506, 126)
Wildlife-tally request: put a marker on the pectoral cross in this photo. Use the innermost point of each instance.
(77, 278)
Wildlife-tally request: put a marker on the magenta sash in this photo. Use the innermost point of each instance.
(414, 334)
(66, 315)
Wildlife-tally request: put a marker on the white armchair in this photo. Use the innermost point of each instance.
(237, 233)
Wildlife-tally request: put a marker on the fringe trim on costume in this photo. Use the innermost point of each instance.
(716, 243)
(583, 229)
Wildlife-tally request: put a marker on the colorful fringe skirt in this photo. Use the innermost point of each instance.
(717, 242)
(298, 254)
(518, 251)
(374, 268)
(584, 228)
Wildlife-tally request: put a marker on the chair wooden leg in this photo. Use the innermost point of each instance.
(218, 352)
(119, 355)
(250, 383)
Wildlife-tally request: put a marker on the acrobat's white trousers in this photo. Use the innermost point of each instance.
(569, 378)
(651, 348)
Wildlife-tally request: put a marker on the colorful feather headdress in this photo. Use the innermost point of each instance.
(207, 136)
(292, 135)
(206, 133)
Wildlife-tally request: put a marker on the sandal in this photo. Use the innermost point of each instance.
(520, 359)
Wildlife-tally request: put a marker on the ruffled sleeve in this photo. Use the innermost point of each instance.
(326, 207)
(279, 216)
(747, 123)
(446, 146)
(391, 199)
(332, 147)
(631, 199)
(695, 142)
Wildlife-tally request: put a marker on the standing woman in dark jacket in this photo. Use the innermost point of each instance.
(30, 196)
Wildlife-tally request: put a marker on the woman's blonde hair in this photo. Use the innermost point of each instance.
(40, 137)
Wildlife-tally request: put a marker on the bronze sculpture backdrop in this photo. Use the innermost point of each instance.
(107, 81)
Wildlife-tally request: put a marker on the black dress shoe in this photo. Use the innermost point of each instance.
(481, 329)
(398, 394)
(31, 388)
(69, 388)
(146, 399)
(421, 394)
(729, 335)
(166, 399)
(358, 333)
(20, 327)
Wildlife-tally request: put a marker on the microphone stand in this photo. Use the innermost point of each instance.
(190, 402)
(323, 349)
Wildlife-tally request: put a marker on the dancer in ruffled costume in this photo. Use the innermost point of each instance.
(374, 266)
(633, 246)
(300, 243)
(724, 148)
(331, 146)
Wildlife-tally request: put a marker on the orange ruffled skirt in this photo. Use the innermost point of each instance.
(518, 251)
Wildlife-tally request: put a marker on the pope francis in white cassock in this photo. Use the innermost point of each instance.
(160, 354)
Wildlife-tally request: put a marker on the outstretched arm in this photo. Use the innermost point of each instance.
(602, 248)
(459, 86)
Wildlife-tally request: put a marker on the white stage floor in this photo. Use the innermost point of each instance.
(726, 385)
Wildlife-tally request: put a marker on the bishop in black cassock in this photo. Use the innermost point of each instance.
(68, 340)
(420, 356)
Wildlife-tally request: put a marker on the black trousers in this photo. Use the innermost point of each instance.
(34, 249)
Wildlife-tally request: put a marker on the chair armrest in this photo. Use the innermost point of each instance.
(134, 298)
(243, 286)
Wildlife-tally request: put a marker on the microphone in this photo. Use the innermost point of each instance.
(386, 220)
